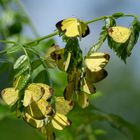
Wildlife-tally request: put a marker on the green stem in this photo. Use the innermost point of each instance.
(96, 19)
(129, 15)
(29, 21)
(35, 42)
(104, 17)
(42, 61)
(7, 41)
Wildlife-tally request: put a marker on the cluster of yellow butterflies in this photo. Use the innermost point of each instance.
(73, 27)
(38, 110)
(80, 82)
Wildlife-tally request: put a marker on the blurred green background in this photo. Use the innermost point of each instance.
(119, 93)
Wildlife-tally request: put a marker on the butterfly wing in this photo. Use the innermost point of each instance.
(10, 96)
(96, 61)
(119, 34)
(73, 27)
(95, 77)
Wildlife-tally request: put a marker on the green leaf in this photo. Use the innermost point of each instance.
(109, 22)
(134, 36)
(49, 43)
(23, 70)
(100, 42)
(72, 46)
(13, 49)
(42, 77)
(36, 63)
(20, 61)
(118, 15)
(22, 81)
(43, 45)
(123, 50)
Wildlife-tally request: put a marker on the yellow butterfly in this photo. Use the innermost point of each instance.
(33, 122)
(36, 91)
(39, 109)
(83, 99)
(73, 27)
(87, 86)
(69, 90)
(63, 106)
(32, 93)
(73, 84)
(48, 56)
(95, 77)
(119, 34)
(48, 91)
(10, 96)
(59, 121)
(58, 57)
(96, 61)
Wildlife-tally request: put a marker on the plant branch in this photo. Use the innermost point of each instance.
(8, 42)
(104, 17)
(36, 41)
(96, 19)
(130, 15)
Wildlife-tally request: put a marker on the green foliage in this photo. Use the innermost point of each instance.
(118, 15)
(36, 66)
(123, 50)
(102, 38)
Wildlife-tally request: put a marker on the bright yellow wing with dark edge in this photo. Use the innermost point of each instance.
(59, 121)
(88, 87)
(119, 34)
(96, 61)
(73, 27)
(33, 122)
(10, 96)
